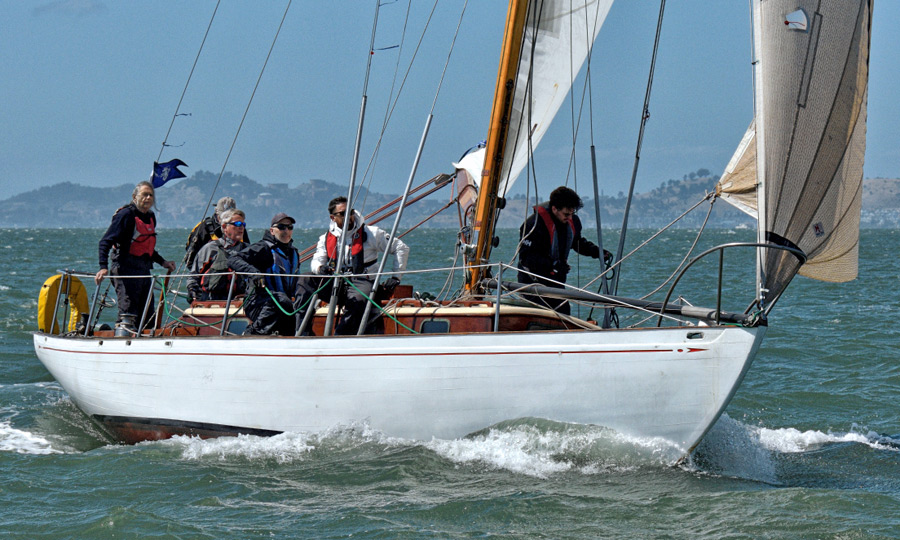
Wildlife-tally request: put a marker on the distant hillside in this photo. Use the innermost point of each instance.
(182, 204)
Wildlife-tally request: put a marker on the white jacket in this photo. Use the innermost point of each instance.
(377, 240)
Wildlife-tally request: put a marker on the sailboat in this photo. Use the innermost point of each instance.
(454, 367)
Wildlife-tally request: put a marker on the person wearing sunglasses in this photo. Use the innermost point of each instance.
(209, 228)
(362, 245)
(209, 280)
(547, 237)
(277, 258)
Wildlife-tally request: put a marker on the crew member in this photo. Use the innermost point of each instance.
(269, 303)
(362, 244)
(547, 236)
(209, 228)
(131, 237)
(207, 281)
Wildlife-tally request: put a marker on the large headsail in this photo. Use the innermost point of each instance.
(812, 81)
(556, 38)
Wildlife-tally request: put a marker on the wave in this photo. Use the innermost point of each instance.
(541, 448)
(532, 447)
(23, 442)
(732, 448)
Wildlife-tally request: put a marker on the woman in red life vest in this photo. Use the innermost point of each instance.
(547, 237)
(131, 237)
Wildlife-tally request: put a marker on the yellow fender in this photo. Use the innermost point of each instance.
(78, 302)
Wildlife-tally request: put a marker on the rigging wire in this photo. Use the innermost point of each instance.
(371, 165)
(655, 235)
(645, 115)
(412, 174)
(393, 105)
(247, 109)
(530, 170)
(188, 82)
(573, 170)
(240, 125)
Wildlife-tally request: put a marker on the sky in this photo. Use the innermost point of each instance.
(89, 89)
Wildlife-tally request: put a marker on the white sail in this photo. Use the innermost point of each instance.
(813, 79)
(558, 38)
(738, 183)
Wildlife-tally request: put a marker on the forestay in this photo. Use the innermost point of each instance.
(811, 78)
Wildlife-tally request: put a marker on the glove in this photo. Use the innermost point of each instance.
(560, 268)
(326, 270)
(607, 257)
(390, 284)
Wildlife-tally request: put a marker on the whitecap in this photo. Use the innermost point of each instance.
(283, 448)
(792, 440)
(535, 451)
(23, 442)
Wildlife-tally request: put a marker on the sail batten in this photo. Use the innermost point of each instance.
(811, 114)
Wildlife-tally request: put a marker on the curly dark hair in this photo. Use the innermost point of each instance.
(563, 197)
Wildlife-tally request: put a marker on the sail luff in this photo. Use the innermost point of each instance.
(486, 207)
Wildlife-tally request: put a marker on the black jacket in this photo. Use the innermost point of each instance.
(536, 254)
(257, 257)
(120, 233)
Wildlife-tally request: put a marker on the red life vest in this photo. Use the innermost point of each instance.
(357, 255)
(550, 223)
(143, 242)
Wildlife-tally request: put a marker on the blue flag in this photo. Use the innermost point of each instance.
(163, 172)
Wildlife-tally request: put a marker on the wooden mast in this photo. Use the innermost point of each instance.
(486, 208)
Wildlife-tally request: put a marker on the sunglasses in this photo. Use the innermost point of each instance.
(284, 226)
(340, 214)
(238, 223)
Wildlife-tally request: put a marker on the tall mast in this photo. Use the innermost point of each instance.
(486, 209)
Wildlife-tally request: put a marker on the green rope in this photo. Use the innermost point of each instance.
(379, 308)
(299, 309)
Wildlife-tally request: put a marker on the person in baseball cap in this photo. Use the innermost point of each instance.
(281, 216)
(270, 303)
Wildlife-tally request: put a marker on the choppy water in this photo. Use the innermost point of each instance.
(809, 448)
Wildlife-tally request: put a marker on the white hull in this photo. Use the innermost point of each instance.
(653, 382)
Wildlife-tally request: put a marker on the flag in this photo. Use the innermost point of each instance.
(163, 172)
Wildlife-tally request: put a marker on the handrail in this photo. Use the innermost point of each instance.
(721, 249)
(662, 309)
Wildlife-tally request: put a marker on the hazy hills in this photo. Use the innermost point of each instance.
(182, 204)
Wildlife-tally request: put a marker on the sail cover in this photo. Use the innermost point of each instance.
(810, 122)
(558, 37)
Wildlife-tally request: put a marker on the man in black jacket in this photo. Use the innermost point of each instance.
(131, 239)
(547, 237)
(269, 303)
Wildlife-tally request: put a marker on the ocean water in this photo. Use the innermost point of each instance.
(808, 448)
